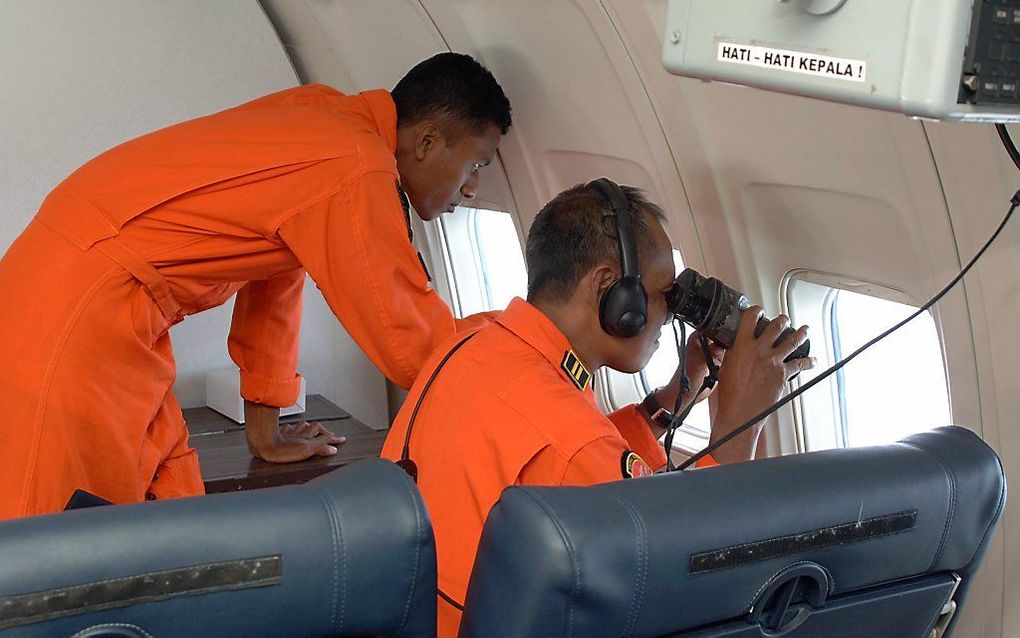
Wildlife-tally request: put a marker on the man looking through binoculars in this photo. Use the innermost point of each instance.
(512, 404)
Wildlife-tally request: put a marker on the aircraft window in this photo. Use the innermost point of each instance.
(483, 258)
(658, 372)
(896, 388)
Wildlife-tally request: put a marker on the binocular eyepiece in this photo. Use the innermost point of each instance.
(715, 309)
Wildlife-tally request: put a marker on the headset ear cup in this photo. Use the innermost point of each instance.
(623, 308)
(607, 321)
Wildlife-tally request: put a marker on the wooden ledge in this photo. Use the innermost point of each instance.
(227, 465)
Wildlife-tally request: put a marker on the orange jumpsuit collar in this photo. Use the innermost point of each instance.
(537, 330)
(384, 112)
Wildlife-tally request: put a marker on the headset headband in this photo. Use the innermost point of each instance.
(624, 224)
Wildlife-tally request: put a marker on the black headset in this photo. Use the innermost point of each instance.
(623, 308)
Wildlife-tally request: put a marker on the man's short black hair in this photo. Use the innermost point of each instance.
(453, 85)
(574, 232)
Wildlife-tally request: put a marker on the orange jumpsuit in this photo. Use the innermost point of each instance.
(169, 224)
(506, 410)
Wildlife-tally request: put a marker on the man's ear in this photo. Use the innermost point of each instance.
(428, 139)
(600, 279)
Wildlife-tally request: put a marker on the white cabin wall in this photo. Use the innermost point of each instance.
(580, 111)
(979, 179)
(81, 77)
(778, 183)
(836, 189)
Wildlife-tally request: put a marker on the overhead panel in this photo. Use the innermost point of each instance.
(941, 59)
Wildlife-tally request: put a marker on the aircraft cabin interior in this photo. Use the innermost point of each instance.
(844, 163)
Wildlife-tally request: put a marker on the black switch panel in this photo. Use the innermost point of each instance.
(991, 67)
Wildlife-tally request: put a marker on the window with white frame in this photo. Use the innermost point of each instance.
(484, 263)
(894, 389)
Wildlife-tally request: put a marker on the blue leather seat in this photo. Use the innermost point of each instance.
(348, 554)
(863, 542)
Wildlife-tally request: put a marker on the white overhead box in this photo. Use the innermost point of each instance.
(939, 59)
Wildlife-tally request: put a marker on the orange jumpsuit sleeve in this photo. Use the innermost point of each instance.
(264, 340)
(634, 428)
(599, 461)
(706, 461)
(356, 248)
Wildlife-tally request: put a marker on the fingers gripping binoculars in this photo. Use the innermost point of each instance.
(715, 309)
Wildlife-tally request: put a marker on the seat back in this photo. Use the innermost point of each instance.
(858, 542)
(348, 554)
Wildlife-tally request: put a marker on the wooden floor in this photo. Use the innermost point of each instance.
(227, 465)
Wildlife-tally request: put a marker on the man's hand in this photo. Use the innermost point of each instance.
(752, 379)
(269, 441)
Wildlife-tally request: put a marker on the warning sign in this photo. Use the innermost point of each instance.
(794, 61)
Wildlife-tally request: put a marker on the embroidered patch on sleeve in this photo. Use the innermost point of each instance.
(575, 370)
(634, 466)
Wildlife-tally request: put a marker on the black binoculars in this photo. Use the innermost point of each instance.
(715, 309)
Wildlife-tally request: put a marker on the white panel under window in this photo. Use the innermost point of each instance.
(483, 259)
(894, 389)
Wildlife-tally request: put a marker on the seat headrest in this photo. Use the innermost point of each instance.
(670, 552)
(348, 554)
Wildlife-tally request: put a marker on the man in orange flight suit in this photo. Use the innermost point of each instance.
(513, 405)
(244, 201)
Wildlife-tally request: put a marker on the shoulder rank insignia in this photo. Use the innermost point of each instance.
(575, 370)
(633, 466)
